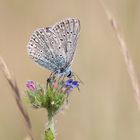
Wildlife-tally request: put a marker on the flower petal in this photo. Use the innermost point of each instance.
(55, 85)
(75, 84)
(68, 82)
(30, 85)
(69, 90)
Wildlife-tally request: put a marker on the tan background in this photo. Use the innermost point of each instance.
(105, 109)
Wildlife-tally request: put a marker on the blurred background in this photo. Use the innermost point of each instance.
(105, 108)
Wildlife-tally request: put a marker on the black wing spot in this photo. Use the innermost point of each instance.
(60, 55)
(58, 26)
(61, 39)
(46, 57)
(47, 28)
(64, 35)
(67, 32)
(59, 47)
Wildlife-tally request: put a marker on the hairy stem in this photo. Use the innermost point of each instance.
(51, 124)
(50, 132)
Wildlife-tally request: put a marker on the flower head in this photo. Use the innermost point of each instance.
(30, 85)
(75, 84)
(51, 97)
(70, 84)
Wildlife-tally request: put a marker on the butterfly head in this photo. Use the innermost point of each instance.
(65, 72)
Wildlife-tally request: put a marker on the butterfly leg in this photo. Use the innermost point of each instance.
(50, 79)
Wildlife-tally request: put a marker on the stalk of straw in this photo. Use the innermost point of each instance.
(16, 93)
(126, 55)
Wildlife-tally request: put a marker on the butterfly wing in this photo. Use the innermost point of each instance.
(54, 47)
(68, 32)
(43, 47)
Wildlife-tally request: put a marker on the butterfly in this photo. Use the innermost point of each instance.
(54, 47)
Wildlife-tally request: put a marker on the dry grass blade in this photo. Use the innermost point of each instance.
(13, 84)
(126, 55)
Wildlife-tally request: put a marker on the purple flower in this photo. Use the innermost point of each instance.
(75, 84)
(30, 85)
(69, 90)
(70, 84)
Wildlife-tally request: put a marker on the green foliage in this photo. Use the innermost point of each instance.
(52, 98)
(49, 98)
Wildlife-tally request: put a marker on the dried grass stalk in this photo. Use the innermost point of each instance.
(125, 52)
(16, 93)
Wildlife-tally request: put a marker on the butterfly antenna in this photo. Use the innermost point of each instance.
(78, 78)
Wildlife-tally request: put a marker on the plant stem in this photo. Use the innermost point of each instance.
(50, 132)
(51, 122)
